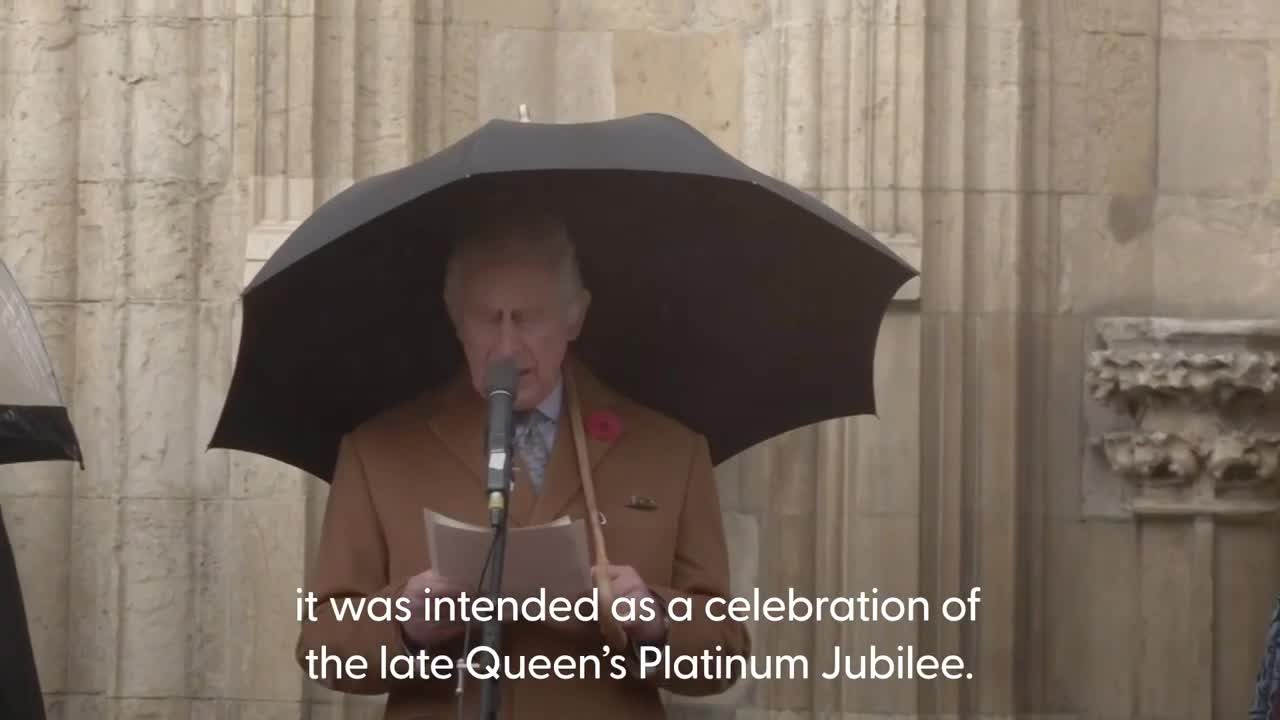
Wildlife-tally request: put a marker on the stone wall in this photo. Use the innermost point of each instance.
(1062, 172)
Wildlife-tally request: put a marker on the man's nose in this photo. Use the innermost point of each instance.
(506, 339)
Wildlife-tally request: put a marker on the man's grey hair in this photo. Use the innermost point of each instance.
(524, 234)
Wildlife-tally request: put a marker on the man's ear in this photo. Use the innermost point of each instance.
(578, 314)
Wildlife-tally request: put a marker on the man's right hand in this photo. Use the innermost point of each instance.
(418, 631)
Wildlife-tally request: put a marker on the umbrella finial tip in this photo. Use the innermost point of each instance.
(524, 113)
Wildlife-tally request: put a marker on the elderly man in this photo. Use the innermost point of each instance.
(513, 291)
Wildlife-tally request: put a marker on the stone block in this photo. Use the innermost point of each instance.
(1273, 64)
(787, 562)
(460, 95)
(996, 259)
(697, 77)
(383, 79)
(942, 289)
(162, 9)
(1103, 135)
(265, 559)
(761, 102)
(584, 73)
(41, 130)
(908, 85)
(1168, 624)
(529, 15)
(156, 573)
(883, 563)
(1064, 623)
(161, 260)
(795, 473)
(1105, 253)
(101, 14)
(1107, 647)
(1213, 102)
(1058, 461)
(810, 13)
(221, 255)
(1220, 20)
(514, 67)
(38, 220)
(103, 52)
(729, 483)
(884, 450)
(94, 591)
(800, 141)
(742, 533)
(212, 82)
(176, 707)
(254, 477)
(164, 110)
(757, 478)
(659, 16)
(1202, 241)
(1132, 17)
(159, 357)
(1246, 573)
(717, 15)
(101, 240)
(74, 707)
(215, 351)
(210, 625)
(259, 709)
(99, 409)
(946, 127)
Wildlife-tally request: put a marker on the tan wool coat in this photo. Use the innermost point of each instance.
(653, 484)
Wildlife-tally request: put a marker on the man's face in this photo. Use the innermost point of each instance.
(517, 311)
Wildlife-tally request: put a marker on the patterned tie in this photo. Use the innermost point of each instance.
(533, 445)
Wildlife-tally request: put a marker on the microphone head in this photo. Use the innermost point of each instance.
(501, 378)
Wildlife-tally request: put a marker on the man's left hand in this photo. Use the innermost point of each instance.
(626, 583)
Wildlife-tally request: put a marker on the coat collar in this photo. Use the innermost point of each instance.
(458, 418)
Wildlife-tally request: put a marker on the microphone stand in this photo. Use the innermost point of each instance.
(491, 633)
(498, 484)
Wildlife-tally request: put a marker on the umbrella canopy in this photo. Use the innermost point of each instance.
(724, 298)
(34, 426)
(34, 423)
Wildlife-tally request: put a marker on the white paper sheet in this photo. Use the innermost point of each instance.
(553, 557)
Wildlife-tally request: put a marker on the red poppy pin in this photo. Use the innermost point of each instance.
(604, 426)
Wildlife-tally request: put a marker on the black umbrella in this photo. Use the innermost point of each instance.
(34, 426)
(722, 297)
(34, 423)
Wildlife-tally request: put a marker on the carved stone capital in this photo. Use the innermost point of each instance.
(1183, 418)
(1243, 461)
(1155, 459)
(1142, 376)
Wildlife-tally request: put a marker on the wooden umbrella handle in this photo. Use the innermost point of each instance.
(612, 631)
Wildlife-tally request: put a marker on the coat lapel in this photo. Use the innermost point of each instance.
(458, 419)
(562, 481)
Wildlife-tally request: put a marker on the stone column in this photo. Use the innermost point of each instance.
(114, 178)
(38, 195)
(979, 298)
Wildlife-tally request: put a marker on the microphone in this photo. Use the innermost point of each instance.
(500, 390)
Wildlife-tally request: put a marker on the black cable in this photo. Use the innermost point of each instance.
(466, 636)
